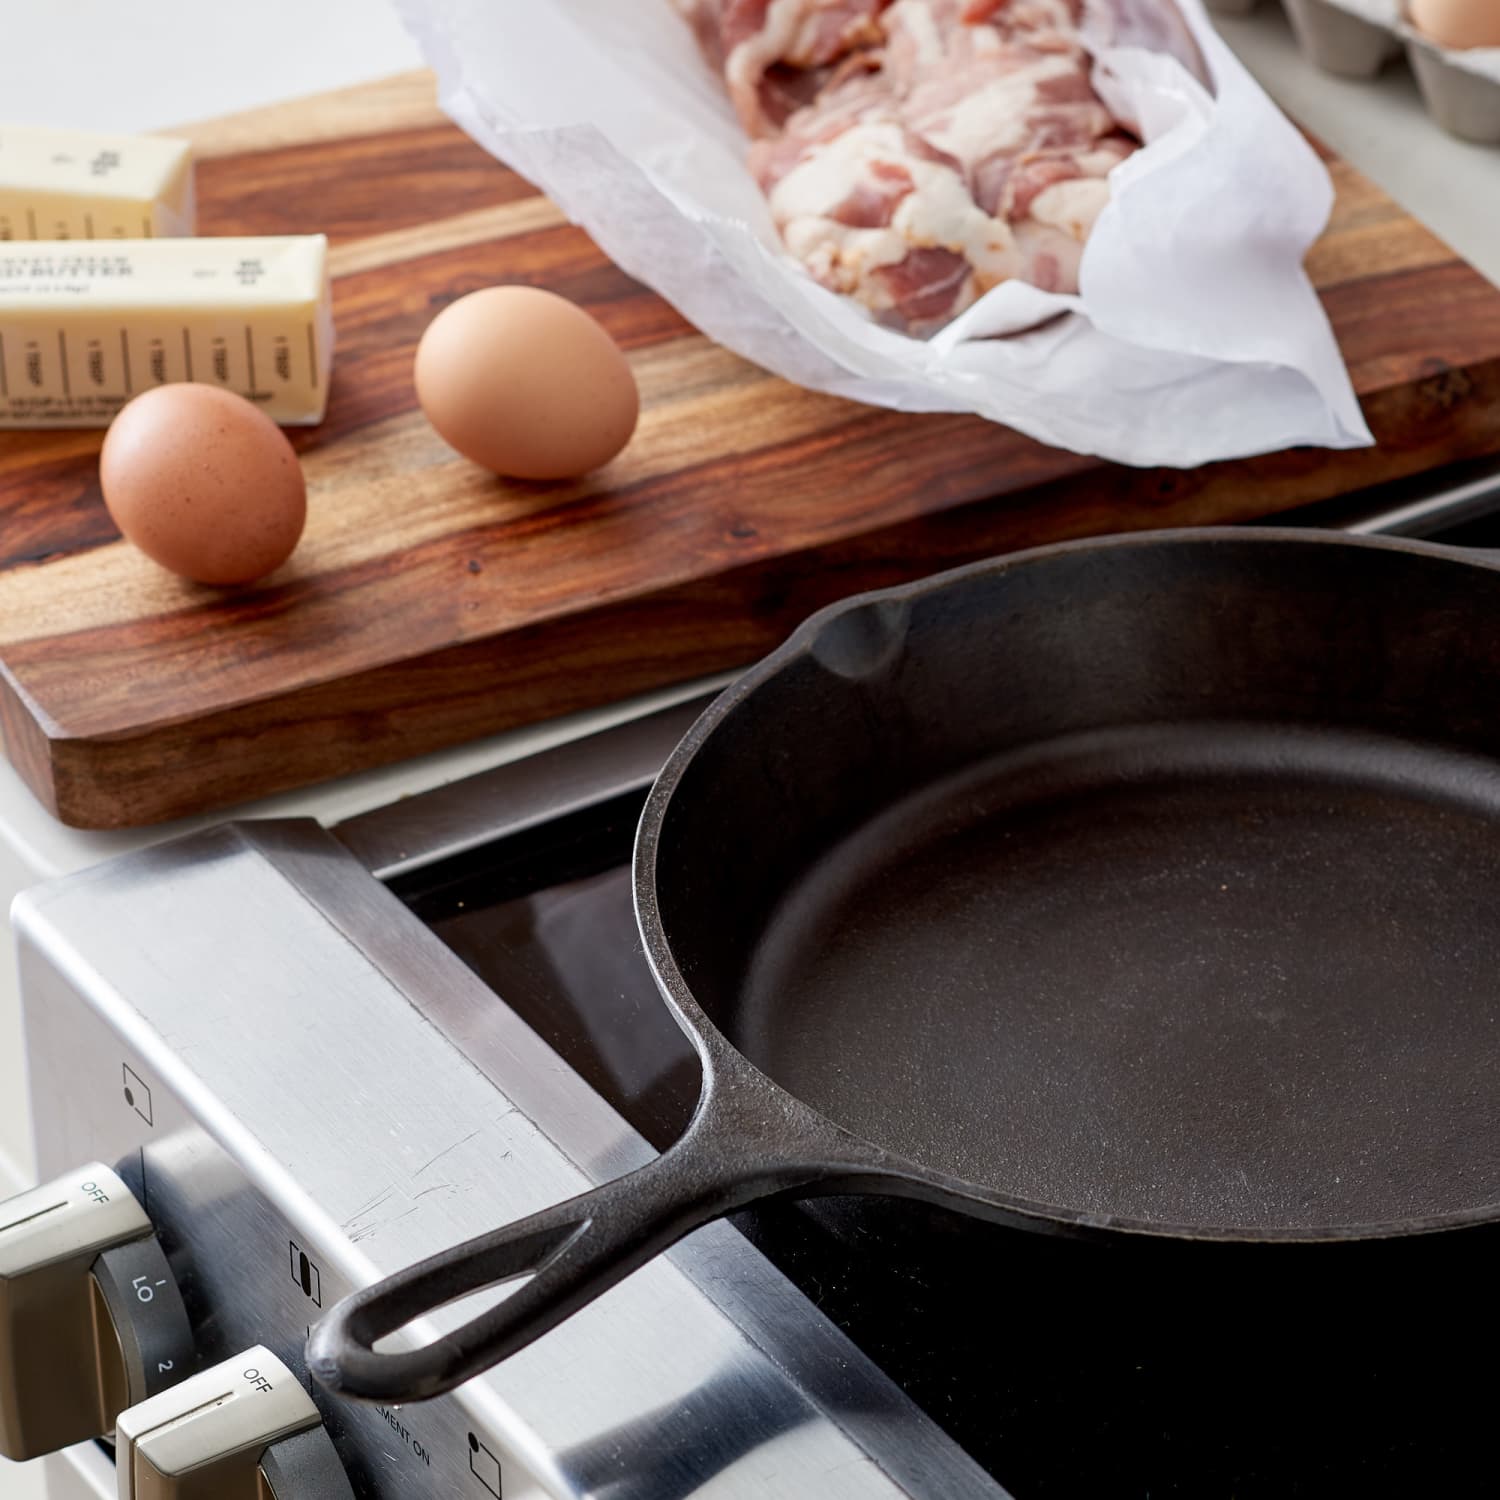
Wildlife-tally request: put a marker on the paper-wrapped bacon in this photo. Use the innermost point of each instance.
(1194, 333)
(917, 153)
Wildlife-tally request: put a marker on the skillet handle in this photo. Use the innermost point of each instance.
(577, 1250)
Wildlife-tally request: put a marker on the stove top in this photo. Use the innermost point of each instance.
(1040, 1364)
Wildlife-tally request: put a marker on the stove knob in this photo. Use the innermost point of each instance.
(244, 1430)
(91, 1320)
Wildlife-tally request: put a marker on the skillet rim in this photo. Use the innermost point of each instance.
(719, 1057)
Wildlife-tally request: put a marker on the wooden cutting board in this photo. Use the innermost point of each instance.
(430, 603)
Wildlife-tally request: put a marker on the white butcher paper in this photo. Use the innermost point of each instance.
(1195, 336)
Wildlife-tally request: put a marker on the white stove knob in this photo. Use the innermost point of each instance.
(91, 1319)
(243, 1430)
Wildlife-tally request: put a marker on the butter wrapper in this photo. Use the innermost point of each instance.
(80, 185)
(86, 325)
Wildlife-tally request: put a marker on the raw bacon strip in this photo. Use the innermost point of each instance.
(759, 43)
(785, 92)
(926, 285)
(811, 203)
(1034, 176)
(873, 202)
(861, 95)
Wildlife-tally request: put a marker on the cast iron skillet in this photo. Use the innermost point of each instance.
(1143, 890)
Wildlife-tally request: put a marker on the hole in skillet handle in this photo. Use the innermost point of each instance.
(341, 1352)
(747, 1142)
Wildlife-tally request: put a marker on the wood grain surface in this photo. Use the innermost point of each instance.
(430, 603)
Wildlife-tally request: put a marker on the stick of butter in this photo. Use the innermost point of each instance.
(76, 185)
(86, 326)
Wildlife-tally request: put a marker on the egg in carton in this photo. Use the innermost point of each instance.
(1453, 47)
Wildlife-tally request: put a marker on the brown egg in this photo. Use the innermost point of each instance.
(204, 483)
(525, 383)
(1459, 24)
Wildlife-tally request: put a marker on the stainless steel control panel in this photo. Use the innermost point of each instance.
(306, 1090)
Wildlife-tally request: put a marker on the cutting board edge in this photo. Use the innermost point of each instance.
(104, 781)
(1455, 409)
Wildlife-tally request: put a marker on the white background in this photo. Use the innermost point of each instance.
(140, 64)
(143, 64)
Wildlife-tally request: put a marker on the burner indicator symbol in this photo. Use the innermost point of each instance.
(137, 1094)
(306, 1274)
(484, 1466)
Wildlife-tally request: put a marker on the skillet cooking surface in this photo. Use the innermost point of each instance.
(1205, 974)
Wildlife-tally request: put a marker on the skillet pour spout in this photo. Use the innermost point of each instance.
(1140, 891)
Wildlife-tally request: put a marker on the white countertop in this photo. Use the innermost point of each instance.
(145, 64)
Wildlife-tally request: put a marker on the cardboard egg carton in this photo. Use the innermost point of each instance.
(1357, 38)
